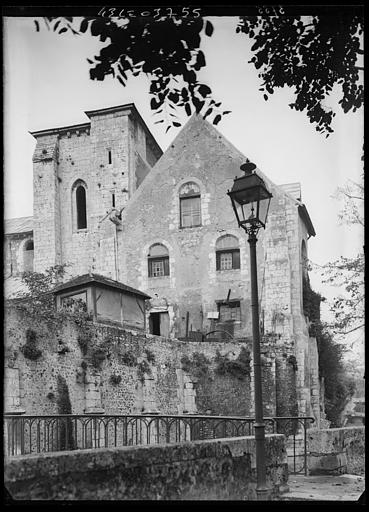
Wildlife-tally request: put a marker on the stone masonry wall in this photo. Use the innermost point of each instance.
(194, 286)
(109, 156)
(155, 374)
(336, 451)
(14, 261)
(201, 470)
(46, 206)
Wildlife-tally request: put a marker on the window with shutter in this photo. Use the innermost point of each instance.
(229, 311)
(227, 253)
(190, 205)
(158, 261)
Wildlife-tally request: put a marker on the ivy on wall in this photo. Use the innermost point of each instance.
(338, 386)
(239, 368)
(29, 349)
(311, 305)
(143, 368)
(66, 439)
(198, 365)
(115, 379)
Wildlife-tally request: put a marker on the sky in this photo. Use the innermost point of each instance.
(46, 85)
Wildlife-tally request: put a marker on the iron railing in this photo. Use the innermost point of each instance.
(26, 434)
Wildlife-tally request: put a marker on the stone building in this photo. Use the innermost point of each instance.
(108, 202)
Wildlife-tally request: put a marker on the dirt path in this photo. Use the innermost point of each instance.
(324, 488)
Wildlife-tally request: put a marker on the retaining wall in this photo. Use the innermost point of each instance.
(336, 451)
(199, 470)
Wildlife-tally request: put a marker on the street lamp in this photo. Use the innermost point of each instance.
(250, 200)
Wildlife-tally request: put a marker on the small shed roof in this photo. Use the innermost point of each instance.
(100, 280)
(18, 225)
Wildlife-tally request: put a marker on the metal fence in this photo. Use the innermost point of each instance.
(38, 434)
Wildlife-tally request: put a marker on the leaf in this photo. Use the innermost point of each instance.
(198, 104)
(90, 61)
(188, 109)
(84, 25)
(168, 128)
(37, 25)
(227, 112)
(204, 90)
(62, 30)
(208, 112)
(217, 118)
(209, 29)
(160, 121)
(265, 97)
(154, 104)
(176, 124)
(200, 61)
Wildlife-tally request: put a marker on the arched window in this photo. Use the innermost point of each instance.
(79, 205)
(190, 205)
(28, 253)
(227, 253)
(158, 261)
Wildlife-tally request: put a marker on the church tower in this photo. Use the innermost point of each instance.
(83, 177)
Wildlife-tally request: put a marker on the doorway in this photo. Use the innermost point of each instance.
(159, 324)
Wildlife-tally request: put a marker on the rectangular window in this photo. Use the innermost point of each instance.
(158, 267)
(190, 212)
(75, 301)
(229, 311)
(227, 260)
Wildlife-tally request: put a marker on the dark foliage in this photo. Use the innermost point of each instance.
(166, 50)
(239, 368)
(83, 342)
(143, 369)
(128, 359)
(150, 356)
(312, 55)
(29, 349)
(66, 438)
(311, 304)
(97, 357)
(115, 379)
(339, 387)
(198, 365)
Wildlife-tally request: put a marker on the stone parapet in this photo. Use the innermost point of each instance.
(336, 451)
(199, 470)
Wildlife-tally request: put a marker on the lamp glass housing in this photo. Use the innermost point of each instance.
(250, 200)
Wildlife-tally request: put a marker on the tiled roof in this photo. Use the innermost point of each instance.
(102, 280)
(19, 225)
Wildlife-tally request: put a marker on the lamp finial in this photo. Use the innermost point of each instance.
(248, 167)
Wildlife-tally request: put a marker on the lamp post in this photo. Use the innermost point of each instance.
(250, 200)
